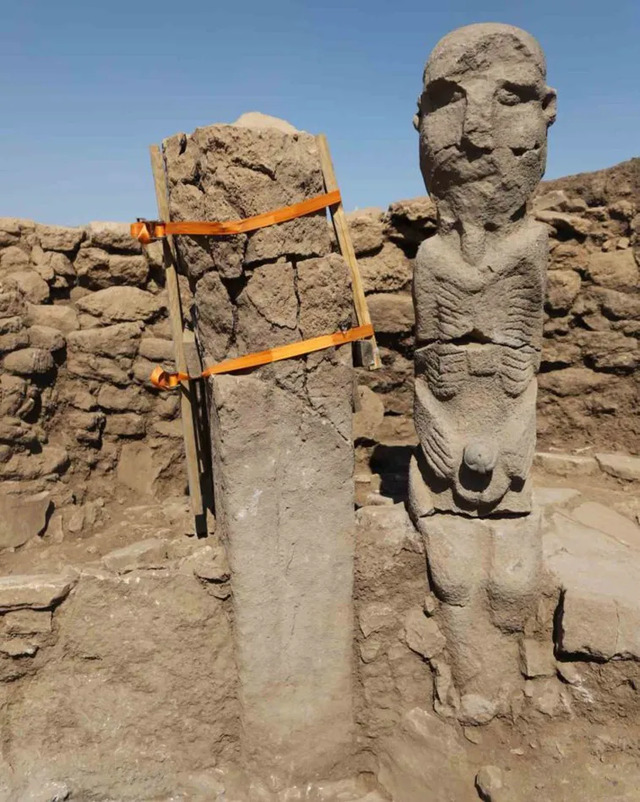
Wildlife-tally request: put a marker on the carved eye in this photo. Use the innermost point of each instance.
(512, 95)
(440, 93)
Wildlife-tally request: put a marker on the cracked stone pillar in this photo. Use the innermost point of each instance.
(281, 436)
(478, 292)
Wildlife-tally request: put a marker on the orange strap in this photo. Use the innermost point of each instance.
(168, 381)
(146, 230)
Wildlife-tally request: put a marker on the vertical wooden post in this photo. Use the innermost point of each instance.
(187, 391)
(372, 358)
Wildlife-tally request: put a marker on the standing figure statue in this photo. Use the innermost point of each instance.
(478, 292)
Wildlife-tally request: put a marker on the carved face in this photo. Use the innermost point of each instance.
(483, 120)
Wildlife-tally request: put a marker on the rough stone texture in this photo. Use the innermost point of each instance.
(282, 443)
(478, 291)
(92, 717)
(22, 518)
(479, 283)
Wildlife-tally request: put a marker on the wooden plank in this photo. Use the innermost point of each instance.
(369, 355)
(177, 324)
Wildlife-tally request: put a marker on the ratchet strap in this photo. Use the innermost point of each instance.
(168, 381)
(147, 230)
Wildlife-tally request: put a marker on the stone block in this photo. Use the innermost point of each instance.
(36, 592)
(14, 259)
(22, 518)
(563, 287)
(59, 238)
(98, 368)
(573, 381)
(366, 229)
(422, 635)
(391, 313)
(122, 304)
(126, 399)
(622, 466)
(559, 464)
(156, 350)
(369, 416)
(386, 271)
(61, 317)
(29, 361)
(536, 658)
(375, 616)
(112, 236)
(120, 339)
(30, 284)
(146, 554)
(47, 338)
(616, 270)
(138, 468)
(126, 424)
(27, 622)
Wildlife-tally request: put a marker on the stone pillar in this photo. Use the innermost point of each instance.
(478, 292)
(281, 436)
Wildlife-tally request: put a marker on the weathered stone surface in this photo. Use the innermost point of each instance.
(119, 304)
(120, 339)
(22, 518)
(128, 399)
(565, 464)
(63, 318)
(46, 337)
(157, 635)
(411, 221)
(112, 236)
(37, 592)
(14, 259)
(369, 416)
(597, 566)
(145, 554)
(391, 313)
(98, 269)
(59, 238)
(616, 270)
(26, 622)
(475, 401)
(299, 412)
(138, 468)
(573, 381)
(366, 229)
(100, 368)
(51, 460)
(536, 658)
(562, 289)
(375, 616)
(126, 424)
(29, 283)
(156, 350)
(386, 271)
(490, 783)
(425, 753)
(28, 361)
(622, 466)
(422, 635)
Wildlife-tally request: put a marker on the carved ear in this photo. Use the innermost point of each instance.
(417, 115)
(550, 105)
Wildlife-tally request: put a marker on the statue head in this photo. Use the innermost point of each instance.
(482, 118)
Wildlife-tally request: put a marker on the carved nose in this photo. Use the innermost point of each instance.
(477, 126)
(480, 456)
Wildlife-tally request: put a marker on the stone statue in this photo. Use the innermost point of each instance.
(478, 291)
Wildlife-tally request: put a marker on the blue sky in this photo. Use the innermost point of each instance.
(86, 86)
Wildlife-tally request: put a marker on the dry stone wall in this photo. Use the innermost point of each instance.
(83, 320)
(588, 383)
